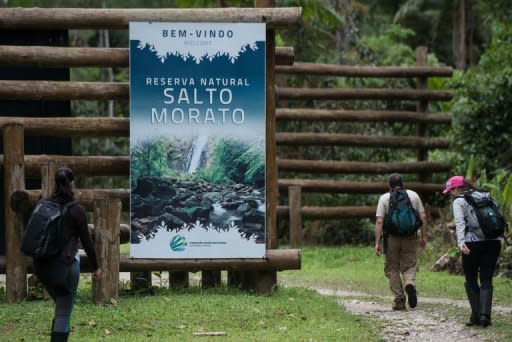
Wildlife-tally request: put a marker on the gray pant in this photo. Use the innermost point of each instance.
(61, 281)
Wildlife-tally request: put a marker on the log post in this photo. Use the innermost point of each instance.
(107, 214)
(179, 279)
(263, 282)
(113, 241)
(140, 281)
(99, 286)
(294, 200)
(234, 278)
(421, 107)
(210, 278)
(14, 179)
(271, 163)
(48, 171)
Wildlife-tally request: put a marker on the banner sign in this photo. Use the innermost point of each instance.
(197, 140)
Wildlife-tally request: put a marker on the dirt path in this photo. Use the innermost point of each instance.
(432, 320)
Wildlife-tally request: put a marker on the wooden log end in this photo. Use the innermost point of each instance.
(20, 202)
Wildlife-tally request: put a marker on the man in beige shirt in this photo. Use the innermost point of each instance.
(401, 253)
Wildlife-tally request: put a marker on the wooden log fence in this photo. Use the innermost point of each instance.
(93, 18)
(63, 90)
(421, 142)
(124, 232)
(317, 212)
(348, 167)
(14, 180)
(81, 165)
(310, 114)
(73, 57)
(284, 93)
(302, 68)
(277, 260)
(421, 108)
(60, 91)
(26, 200)
(341, 139)
(71, 127)
(335, 186)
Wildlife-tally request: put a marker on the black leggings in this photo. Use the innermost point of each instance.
(61, 281)
(482, 258)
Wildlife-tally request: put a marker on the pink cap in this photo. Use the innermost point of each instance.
(453, 182)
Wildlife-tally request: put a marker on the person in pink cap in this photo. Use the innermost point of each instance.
(479, 254)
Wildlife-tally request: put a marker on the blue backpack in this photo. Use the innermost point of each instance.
(401, 218)
(490, 218)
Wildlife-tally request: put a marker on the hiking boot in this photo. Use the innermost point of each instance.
(59, 337)
(412, 299)
(474, 302)
(399, 305)
(485, 307)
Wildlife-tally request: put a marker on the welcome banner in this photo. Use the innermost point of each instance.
(197, 140)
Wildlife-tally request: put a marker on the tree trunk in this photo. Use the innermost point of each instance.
(462, 36)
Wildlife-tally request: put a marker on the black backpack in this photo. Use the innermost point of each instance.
(490, 218)
(44, 233)
(401, 218)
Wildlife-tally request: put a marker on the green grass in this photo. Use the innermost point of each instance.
(358, 269)
(288, 315)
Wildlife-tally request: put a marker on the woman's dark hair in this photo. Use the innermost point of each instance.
(468, 185)
(63, 179)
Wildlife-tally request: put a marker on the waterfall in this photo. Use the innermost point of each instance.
(198, 145)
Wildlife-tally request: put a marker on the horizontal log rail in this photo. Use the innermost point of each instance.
(62, 57)
(330, 212)
(63, 90)
(71, 57)
(309, 114)
(95, 18)
(363, 71)
(81, 165)
(335, 186)
(24, 201)
(124, 232)
(72, 90)
(285, 55)
(275, 259)
(348, 167)
(71, 126)
(359, 140)
(284, 93)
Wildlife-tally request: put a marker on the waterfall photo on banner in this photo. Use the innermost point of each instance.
(197, 140)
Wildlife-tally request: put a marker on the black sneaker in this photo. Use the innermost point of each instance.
(412, 299)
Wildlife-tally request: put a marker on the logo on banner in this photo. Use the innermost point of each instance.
(178, 243)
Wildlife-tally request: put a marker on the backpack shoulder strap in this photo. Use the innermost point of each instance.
(69, 204)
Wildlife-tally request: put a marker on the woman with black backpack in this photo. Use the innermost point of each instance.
(479, 253)
(60, 274)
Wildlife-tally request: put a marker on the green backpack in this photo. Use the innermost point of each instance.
(401, 218)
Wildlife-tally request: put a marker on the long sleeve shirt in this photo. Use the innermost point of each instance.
(77, 229)
(466, 223)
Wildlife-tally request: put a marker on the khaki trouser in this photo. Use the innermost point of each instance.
(401, 258)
